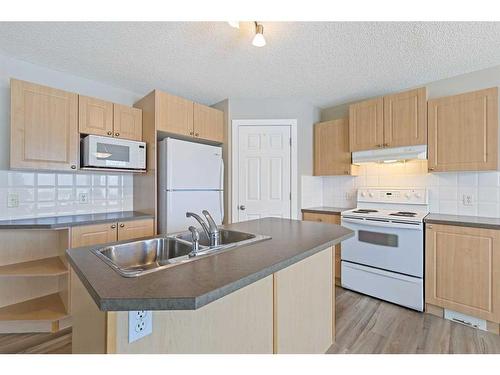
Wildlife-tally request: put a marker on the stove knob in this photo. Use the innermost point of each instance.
(408, 195)
(417, 195)
(362, 194)
(370, 195)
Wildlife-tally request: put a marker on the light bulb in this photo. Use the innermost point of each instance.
(258, 39)
(235, 24)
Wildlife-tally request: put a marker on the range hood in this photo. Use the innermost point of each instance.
(388, 155)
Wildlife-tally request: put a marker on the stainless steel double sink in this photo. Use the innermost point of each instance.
(138, 258)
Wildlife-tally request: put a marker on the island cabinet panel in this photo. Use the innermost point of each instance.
(129, 230)
(405, 118)
(304, 313)
(44, 127)
(463, 132)
(127, 122)
(331, 148)
(366, 125)
(463, 270)
(174, 114)
(332, 219)
(88, 235)
(95, 116)
(241, 322)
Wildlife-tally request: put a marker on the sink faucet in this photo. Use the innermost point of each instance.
(211, 230)
(196, 242)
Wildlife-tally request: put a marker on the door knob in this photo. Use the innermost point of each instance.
(242, 208)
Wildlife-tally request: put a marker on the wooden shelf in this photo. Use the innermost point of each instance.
(47, 308)
(42, 267)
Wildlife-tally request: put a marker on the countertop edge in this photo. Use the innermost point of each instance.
(325, 210)
(194, 303)
(460, 223)
(14, 225)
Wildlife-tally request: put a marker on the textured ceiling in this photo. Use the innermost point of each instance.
(323, 62)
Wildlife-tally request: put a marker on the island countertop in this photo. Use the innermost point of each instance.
(191, 285)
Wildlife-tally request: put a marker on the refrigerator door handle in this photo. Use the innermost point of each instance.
(221, 205)
(221, 174)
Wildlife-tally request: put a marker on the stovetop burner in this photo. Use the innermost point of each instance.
(364, 211)
(404, 213)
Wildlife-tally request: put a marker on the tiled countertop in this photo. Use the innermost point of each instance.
(66, 221)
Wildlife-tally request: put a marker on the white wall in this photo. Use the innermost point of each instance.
(446, 190)
(49, 194)
(304, 112)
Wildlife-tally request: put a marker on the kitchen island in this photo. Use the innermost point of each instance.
(274, 296)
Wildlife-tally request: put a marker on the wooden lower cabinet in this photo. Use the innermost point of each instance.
(332, 219)
(129, 230)
(88, 235)
(463, 270)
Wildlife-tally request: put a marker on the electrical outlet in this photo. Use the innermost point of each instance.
(140, 324)
(467, 199)
(348, 196)
(83, 198)
(12, 200)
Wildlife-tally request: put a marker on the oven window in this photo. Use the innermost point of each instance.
(376, 238)
(106, 151)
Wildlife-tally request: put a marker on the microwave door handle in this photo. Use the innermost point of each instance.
(386, 224)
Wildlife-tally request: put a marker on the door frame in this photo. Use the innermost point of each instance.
(235, 125)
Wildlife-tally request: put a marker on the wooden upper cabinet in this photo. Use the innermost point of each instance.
(175, 114)
(95, 116)
(135, 229)
(462, 270)
(208, 123)
(331, 148)
(463, 132)
(405, 118)
(44, 127)
(366, 125)
(88, 235)
(127, 122)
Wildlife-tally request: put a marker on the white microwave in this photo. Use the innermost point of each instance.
(107, 152)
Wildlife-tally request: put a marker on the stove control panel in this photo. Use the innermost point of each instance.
(405, 196)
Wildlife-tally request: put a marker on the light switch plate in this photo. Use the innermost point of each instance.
(140, 324)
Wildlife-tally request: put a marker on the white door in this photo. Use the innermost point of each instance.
(264, 172)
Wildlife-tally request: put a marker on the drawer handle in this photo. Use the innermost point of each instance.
(122, 225)
(113, 226)
(319, 219)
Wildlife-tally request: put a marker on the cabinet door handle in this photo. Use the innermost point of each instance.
(386, 145)
(117, 134)
(113, 226)
(191, 133)
(73, 166)
(122, 225)
(431, 169)
(110, 133)
(196, 134)
(429, 226)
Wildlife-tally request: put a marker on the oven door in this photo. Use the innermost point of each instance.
(108, 152)
(387, 245)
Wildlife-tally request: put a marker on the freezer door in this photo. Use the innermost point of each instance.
(193, 166)
(176, 203)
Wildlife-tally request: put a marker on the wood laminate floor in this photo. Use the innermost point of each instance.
(369, 326)
(364, 325)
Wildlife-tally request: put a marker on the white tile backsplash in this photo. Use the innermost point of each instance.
(50, 194)
(446, 190)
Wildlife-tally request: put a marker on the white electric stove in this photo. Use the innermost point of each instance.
(385, 258)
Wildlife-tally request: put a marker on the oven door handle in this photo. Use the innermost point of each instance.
(386, 224)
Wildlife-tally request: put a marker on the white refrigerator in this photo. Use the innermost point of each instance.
(191, 178)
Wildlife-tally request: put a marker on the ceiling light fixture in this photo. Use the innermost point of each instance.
(235, 24)
(258, 39)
